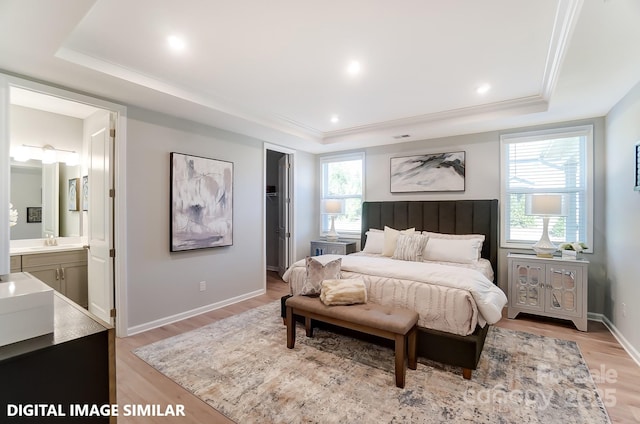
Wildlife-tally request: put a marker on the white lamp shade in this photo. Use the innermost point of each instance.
(332, 206)
(544, 205)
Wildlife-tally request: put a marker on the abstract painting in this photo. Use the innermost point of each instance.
(431, 172)
(73, 198)
(85, 193)
(201, 202)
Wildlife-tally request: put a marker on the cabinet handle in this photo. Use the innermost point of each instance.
(57, 274)
(62, 272)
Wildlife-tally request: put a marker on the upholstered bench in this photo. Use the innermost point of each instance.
(370, 318)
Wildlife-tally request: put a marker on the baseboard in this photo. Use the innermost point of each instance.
(632, 351)
(272, 268)
(192, 313)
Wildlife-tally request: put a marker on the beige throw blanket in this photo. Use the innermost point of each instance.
(343, 292)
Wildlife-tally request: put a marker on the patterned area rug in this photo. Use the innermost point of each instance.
(242, 367)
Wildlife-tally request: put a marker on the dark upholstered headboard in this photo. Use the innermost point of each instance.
(441, 216)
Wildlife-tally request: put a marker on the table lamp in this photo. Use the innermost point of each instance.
(332, 207)
(545, 206)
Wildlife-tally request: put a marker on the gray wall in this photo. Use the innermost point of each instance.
(483, 182)
(622, 232)
(26, 191)
(163, 284)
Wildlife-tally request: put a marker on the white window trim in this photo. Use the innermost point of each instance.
(336, 158)
(583, 130)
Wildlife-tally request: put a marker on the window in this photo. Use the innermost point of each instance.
(554, 161)
(342, 178)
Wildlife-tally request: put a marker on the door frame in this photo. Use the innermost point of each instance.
(119, 169)
(292, 242)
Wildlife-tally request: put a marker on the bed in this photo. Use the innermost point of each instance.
(456, 304)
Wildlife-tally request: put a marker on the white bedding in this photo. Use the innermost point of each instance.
(447, 298)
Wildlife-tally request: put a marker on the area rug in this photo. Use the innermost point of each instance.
(242, 367)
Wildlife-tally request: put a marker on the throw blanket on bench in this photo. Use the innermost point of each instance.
(343, 292)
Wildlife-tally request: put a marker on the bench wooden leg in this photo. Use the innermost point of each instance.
(401, 368)
(466, 373)
(308, 327)
(413, 358)
(291, 328)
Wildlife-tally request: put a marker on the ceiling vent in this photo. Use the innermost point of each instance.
(398, 137)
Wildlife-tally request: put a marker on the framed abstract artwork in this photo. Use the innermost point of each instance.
(636, 186)
(201, 202)
(73, 195)
(85, 193)
(429, 172)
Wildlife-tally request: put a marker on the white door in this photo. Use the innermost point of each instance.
(284, 202)
(100, 215)
(50, 202)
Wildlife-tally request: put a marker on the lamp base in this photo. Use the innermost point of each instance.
(544, 248)
(332, 235)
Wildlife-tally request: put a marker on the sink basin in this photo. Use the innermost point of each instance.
(26, 309)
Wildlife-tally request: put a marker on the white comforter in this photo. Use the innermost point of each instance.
(487, 297)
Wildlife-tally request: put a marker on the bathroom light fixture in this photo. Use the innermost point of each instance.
(46, 154)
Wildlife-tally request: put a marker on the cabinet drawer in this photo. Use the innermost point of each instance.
(54, 258)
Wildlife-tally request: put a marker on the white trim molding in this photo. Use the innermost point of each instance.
(628, 347)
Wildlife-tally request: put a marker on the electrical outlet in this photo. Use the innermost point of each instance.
(203, 285)
(624, 309)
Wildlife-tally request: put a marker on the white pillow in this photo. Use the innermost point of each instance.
(410, 247)
(374, 242)
(463, 251)
(391, 237)
(453, 236)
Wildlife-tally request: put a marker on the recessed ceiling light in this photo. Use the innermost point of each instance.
(176, 43)
(483, 88)
(354, 68)
(335, 119)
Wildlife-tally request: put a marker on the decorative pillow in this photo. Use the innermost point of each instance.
(375, 241)
(410, 247)
(316, 273)
(391, 237)
(453, 236)
(343, 292)
(453, 250)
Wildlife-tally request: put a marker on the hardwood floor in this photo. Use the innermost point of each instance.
(615, 373)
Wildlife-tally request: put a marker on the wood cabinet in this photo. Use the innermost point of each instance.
(65, 272)
(324, 247)
(16, 263)
(548, 287)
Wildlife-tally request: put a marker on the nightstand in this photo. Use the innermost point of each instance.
(551, 287)
(340, 247)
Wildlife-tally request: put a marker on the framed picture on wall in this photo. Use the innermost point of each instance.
(85, 193)
(73, 199)
(428, 172)
(637, 183)
(201, 202)
(34, 214)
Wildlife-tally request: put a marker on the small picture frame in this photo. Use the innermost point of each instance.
(636, 186)
(34, 214)
(73, 199)
(85, 193)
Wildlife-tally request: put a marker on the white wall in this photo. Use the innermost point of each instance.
(482, 181)
(622, 231)
(162, 285)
